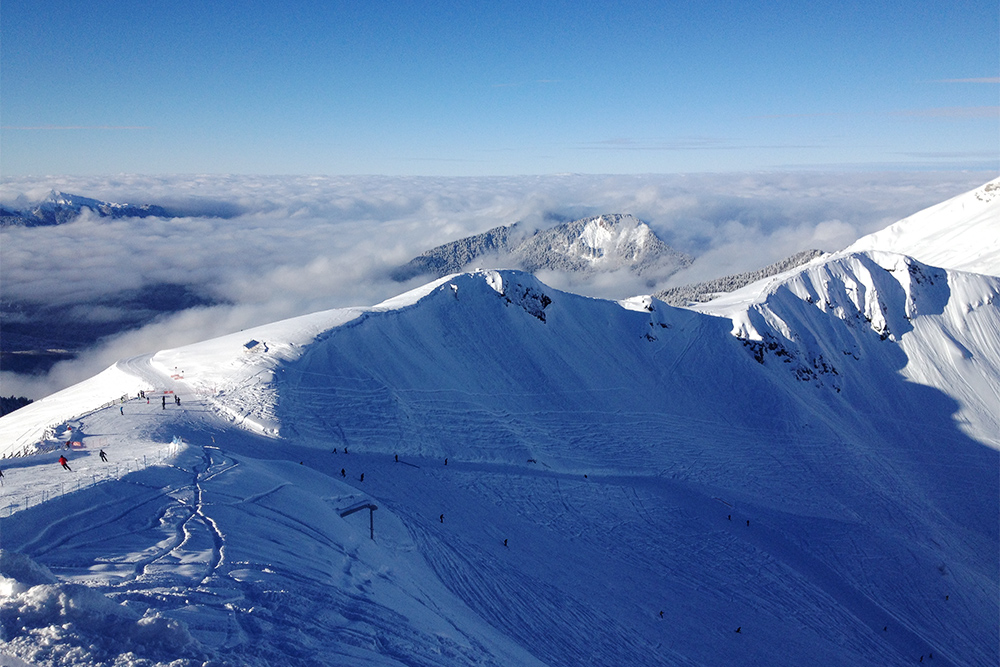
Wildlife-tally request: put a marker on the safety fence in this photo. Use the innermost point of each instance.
(13, 499)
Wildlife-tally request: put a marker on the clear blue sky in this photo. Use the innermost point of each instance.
(458, 87)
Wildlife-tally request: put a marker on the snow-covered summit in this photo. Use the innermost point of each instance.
(961, 233)
(927, 283)
(603, 243)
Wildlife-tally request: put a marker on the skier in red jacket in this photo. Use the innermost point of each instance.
(64, 463)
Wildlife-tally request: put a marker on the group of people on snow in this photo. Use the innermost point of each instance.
(64, 462)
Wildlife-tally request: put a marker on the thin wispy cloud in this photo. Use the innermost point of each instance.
(983, 79)
(823, 114)
(952, 155)
(686, 144)
(519, 84)
(75, 127)
(951, 112)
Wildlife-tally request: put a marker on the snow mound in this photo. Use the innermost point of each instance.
(48, 622)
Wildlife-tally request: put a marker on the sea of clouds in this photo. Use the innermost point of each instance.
(263, 248)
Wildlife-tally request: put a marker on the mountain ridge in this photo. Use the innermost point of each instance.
(59, 208)
(600, 243)
(797, 471)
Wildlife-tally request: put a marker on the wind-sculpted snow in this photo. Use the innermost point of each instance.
(944, 325)
(559, 480)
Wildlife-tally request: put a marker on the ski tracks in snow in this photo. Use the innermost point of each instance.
(531, 611)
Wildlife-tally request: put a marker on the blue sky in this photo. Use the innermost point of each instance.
(492, 88)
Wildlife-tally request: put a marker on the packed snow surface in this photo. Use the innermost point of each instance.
(805, 471)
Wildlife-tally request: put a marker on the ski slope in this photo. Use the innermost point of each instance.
(559, 480)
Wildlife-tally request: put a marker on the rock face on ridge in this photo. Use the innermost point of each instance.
(604, 243)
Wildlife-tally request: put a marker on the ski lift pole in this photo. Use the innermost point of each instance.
(371, 507)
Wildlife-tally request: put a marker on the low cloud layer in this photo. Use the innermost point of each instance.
(284, 246)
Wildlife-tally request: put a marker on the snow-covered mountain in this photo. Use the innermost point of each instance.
(59, 208)
(602, 243)
(804, 470)
(962, 233)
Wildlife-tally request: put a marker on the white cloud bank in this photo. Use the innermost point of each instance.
(292, 245)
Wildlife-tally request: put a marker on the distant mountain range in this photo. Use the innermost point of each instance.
(603, 243)
(59, 208)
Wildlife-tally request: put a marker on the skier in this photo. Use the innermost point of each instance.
(64, 463)
(343, 473)
(446, 460)
(177, 400)
(362, 477)
(122, 409)
(163, 402)
(442, 518)
(397, 458)
(505, 542)
(104, 457)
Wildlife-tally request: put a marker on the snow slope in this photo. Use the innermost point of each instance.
(560, 480)
(962, 233)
